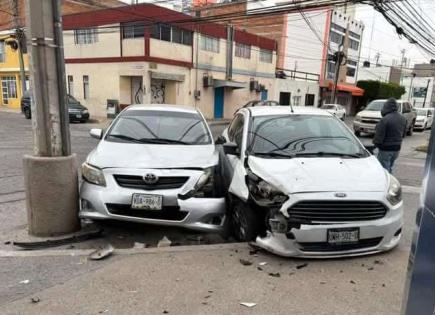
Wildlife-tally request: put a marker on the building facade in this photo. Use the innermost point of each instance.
(127, 57)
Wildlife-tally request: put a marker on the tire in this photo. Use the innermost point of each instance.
(246, 223)
(425, 127)
(27, 113)
(344, 117)
(357, 133)
(411, 129)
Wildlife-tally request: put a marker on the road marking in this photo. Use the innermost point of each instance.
(411, 189)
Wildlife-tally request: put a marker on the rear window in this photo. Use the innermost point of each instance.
(153, 125)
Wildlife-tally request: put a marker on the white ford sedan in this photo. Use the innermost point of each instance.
(155, 165)
(301, 184)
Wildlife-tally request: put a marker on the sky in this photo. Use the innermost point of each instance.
(380, 37)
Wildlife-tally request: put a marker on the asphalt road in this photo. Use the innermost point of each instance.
(16, 141)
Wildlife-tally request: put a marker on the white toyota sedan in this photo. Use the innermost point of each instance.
(155, 165)
(301, 184)
(336, 110)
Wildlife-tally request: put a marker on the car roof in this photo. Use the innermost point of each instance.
(163, 107)
(285, 110)
(384, 100)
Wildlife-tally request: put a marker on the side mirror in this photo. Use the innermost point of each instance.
(96, 133)
(370, 147)
(231, 148)
(220, 140)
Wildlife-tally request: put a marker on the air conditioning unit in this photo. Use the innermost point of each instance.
(197, 94)
(253, 85)
(207, 81)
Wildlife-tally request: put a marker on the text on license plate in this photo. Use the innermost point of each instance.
(147, 202)
(337, 236)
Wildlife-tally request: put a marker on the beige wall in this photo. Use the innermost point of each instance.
(164, 49)
(108, 45)
(133, 47)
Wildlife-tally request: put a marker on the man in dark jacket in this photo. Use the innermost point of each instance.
(389, 134)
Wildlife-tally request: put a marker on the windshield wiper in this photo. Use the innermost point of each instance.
(124, 137)
(273, 154)
(322, 153)
(162, 141)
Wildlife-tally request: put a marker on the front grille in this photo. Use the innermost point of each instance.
(137, 182)
(326, 247)
(370, 120)
(337, 211)
(170, 213)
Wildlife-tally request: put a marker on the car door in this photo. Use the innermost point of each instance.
(234, 134)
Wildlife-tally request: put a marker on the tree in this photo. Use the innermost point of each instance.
(380, 90)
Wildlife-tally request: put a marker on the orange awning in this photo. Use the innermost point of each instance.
(356, 91)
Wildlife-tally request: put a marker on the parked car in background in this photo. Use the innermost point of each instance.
(424, 118)
(76, 111)
(336, 110)
(261, 103)
(366, 120)
(155, 165)
(301, 184)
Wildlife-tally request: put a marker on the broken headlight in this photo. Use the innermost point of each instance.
(263, 193)
(93, 174)
(204, 187)
(394, 194)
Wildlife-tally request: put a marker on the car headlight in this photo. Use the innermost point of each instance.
(394, 194)
(204, 187)
(85, 111)
(357, 118)
(93, 174)
(263, 193)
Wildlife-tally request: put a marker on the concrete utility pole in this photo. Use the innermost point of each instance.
(339, 57)
(425, 94)
(51, 174)
(19, 34)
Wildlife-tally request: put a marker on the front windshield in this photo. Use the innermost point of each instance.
(294, 135)
(421, 112)
(328, 107)
(159, 127)
(375, 106)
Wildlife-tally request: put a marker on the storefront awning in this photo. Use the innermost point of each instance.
(229, 84)
(356, 91)
(167, 76)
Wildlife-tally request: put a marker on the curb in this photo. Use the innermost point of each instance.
(122, 251)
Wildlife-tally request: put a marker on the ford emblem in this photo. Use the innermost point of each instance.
(340, 195)
(150, 179)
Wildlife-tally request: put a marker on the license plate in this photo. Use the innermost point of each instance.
(146, 202)
(78, 116)
(342, 236)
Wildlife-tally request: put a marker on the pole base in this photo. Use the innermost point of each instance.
(51, 195)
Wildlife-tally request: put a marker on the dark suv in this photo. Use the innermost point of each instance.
(76, 111)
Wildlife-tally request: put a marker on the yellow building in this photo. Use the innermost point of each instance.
(10, 83)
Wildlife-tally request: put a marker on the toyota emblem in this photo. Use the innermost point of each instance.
(340, 195)
(150, 178)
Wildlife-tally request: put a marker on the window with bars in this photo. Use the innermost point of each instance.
(335, 37)
(85, 87)
(338, 28)
(85, 36)
(353, 44)
(2, 51)
(243, 51)
(133, 30)
(351, 62)
(266, 56)
(355, 35)
(350, 72)
(209, 43)
(70, 85)
(9, 88)
(173, 34)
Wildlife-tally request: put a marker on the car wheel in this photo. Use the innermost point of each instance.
(27, 113)
(357, 133)
(344, 117)
(411, 129)
(425, 126)
(246, 222)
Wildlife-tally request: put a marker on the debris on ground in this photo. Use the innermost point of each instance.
(259, 268)
(210, 291)
(248, 304)
(245, 262)
(275, 274)
(291, 273)
(204, 303)
(35, 300)
(383, 284)
(27, 281)
(7, 242)
(59, 242)
(378, 262)
(102, 312)
(207, 296)
(263, 263)
(301, 266)
(253, 251)
(102, 253)
(370, 268)
(353, 282)
(164, 242)
(322, 282)
(165, 312)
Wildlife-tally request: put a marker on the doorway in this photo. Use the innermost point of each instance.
(219, 102)
(264, 95)
(157, 91)
(284, 98)
(137, 90)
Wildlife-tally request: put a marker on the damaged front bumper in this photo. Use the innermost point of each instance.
(310, 240)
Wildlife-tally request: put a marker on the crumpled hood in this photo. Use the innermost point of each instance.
(321, 174)
(135, 155)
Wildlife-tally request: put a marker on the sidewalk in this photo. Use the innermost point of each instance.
(211, 280)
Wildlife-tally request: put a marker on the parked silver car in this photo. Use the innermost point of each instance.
(157, 165)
